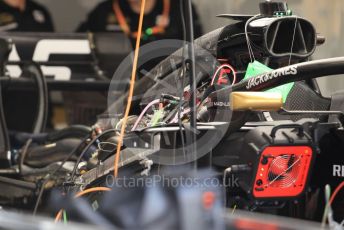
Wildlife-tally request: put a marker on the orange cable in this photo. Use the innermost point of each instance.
(80, 194)
(91, 190)
(131, 89)
(58, 216)
(126, 115)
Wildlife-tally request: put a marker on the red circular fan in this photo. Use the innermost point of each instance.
(283, 171)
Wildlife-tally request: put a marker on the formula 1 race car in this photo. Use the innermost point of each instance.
(263, 129)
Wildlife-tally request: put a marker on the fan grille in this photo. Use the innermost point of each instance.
(283, 171)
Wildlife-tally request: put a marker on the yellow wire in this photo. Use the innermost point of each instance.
(131, 89)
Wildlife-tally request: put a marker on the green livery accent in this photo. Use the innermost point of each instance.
(255, 68)
(158, 114)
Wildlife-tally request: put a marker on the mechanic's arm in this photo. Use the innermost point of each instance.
(95, 21)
